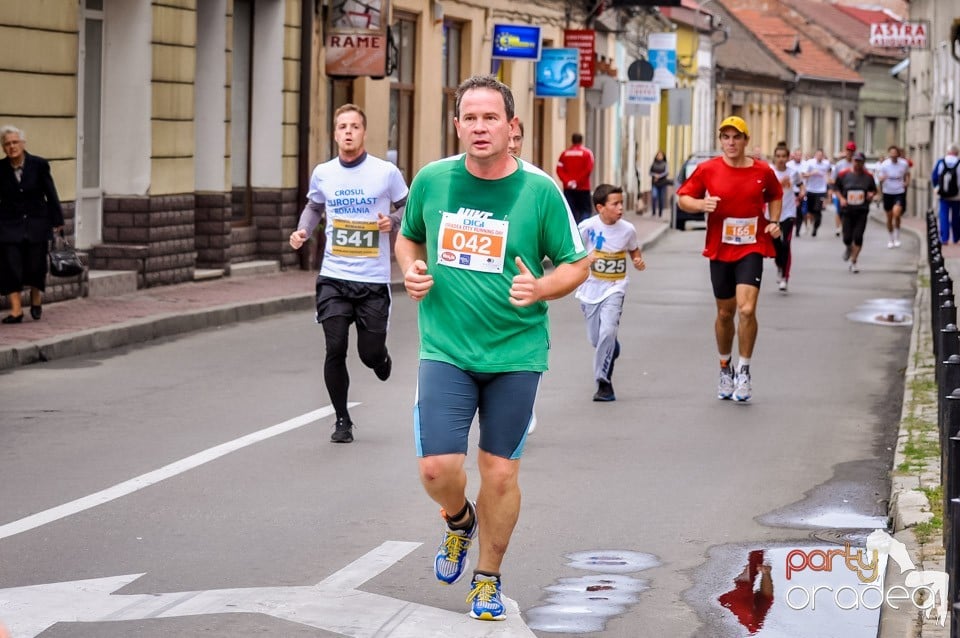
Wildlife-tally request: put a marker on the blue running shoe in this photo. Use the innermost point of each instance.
(451, 560)
(486, 599)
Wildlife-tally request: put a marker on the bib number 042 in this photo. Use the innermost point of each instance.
(471, 242)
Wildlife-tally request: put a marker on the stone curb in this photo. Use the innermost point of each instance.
(146, 329)
(908, 506)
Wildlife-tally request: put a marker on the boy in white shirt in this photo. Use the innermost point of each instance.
(609, 240)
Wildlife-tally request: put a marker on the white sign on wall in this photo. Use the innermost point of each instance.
(642, 93)
(899, 34)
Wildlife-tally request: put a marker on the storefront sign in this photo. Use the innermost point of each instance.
(356, 38)
(642, 93)
(516, 42)
(911, 35)
(585, 40)
(663, 56)
(558, 73)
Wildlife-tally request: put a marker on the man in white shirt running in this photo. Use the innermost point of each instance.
(816, 172)
(789, 179)
(362, 198)
(894, 178)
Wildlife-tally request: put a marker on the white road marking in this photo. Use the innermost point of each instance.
(333, 605)
(146, 480)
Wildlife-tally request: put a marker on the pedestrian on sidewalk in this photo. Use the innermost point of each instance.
(789, 178)
(947, 187)
(362, 199)
(573, 169)
(609, 240)
(731, 190)
(30, 214)
(894, 178)
(660, 176)
(856, 188)
(476, 229)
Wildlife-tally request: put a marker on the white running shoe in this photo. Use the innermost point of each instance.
(896, 243)
(744, 388)
(725, 385)
(890, 244)
(783, 285)
(853, 268)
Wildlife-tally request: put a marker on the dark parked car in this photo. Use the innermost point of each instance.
(680, 216)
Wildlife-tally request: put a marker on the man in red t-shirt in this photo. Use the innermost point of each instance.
(573, 169)
(733, 190)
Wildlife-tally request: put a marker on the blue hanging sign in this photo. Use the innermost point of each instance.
(516, 42)
(558, 73)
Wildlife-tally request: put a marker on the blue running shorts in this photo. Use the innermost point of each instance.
(448, 398)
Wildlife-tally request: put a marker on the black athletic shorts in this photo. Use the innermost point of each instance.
(889, 201)
(726, 275)
(815, 203)
(367, 304)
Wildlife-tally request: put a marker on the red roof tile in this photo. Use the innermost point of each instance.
(867, 16)
(843, 24)
(808, 60)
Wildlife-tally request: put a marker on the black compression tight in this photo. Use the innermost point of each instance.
(371, 346)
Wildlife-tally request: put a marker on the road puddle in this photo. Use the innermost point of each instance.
(884, 312)
(799, 590)
(811, 590)
(583, 604)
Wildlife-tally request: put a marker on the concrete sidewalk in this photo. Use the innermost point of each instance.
(82, 326)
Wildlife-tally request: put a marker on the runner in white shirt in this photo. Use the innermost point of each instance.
(362, 198)
(796, 165)
(789, 179)
(609, 240)
(894, 178)
(816, 172)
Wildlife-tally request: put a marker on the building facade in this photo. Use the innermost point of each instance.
(171, 127)
(933, 78)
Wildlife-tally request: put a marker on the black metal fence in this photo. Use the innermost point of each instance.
(946, 349)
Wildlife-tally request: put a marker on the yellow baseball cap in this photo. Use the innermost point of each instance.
(737, 123)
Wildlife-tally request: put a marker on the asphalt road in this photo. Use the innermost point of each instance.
(652, 502)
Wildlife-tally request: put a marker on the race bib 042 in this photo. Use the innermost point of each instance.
(472, 243)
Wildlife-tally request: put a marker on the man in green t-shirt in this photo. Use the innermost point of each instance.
(476, 229)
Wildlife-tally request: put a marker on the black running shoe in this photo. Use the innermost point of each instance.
(343, 432)
(383, 370)
(604, 392)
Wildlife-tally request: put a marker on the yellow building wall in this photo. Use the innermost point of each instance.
(291, 93)
(38, 76)
(174, 38)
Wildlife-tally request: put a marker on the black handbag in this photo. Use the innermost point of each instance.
(64, 260)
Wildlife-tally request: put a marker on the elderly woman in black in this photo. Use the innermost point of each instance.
(29, 213)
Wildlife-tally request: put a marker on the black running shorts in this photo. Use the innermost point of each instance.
(367, 304)
(726, 275)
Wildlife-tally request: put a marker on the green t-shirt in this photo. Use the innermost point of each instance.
(467, 319)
